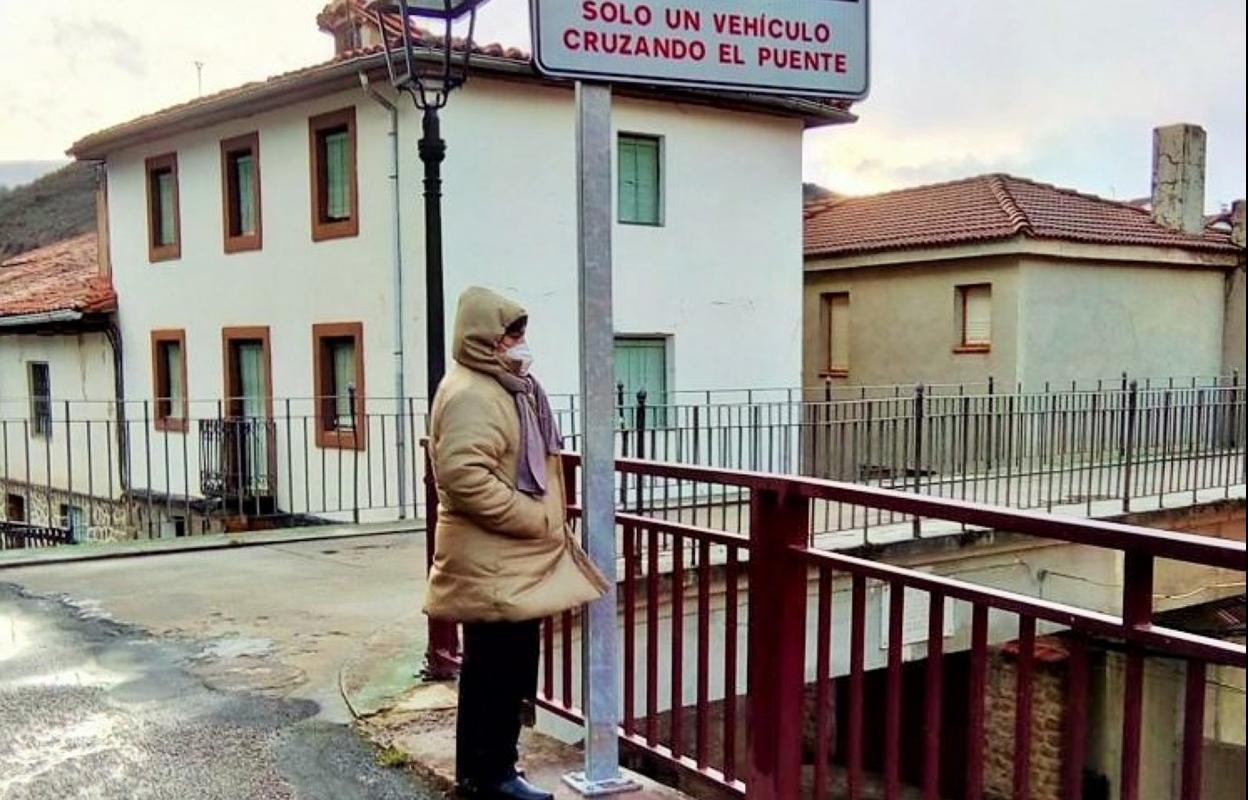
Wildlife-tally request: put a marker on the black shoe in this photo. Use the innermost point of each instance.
(517, 788)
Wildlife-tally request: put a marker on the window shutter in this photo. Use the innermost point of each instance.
(977, 320)
(173, 371)
(245, 167)
(252, 386)
(838, 333)
(647, 162)
(344, 377)
(628, 180)
(164, 183)
(337, 177)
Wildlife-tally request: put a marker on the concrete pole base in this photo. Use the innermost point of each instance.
(587, 788)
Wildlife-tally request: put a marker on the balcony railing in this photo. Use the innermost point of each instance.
(238, 459)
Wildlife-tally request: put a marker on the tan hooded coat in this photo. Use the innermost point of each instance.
(500, 554)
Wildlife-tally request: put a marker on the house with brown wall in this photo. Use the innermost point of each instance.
(1004, 278)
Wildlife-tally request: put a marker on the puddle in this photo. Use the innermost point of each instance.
(15, 635)
(148, 689)
(87, 607)
(238, 647)
(83, 676)
(35, 755)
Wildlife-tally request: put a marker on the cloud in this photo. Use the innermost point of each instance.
(1061, 90)
(96, 42)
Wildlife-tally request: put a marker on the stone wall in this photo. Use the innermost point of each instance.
(1048, 713)
(106, 520)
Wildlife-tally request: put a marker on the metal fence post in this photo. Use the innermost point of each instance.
(992, 420)
(442, 650)
(1137, 611)
(600, 673)
(777, 645)
(917, 478)
(1233, 411)
(640, 449)
(355, 454)
(624, 441)
(1128, 455)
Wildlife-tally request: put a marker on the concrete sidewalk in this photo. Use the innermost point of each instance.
(421, 727)
(94, 551)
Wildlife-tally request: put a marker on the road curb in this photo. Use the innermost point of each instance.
(15, 559)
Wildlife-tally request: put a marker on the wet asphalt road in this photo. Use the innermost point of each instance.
(90, 708)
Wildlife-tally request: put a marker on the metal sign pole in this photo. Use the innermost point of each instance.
(600, 667)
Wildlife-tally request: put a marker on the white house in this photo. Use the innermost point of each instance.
(59, 357)
(251, 236)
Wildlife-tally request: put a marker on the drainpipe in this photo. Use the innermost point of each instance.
(113, 333)
(400, 393)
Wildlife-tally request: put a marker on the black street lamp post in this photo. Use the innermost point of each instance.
(429, 70)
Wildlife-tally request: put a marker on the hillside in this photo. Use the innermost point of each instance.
(19, 173)
(55, 207)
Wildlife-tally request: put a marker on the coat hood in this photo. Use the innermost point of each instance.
(480, 321)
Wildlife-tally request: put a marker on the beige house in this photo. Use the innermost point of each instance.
(1002, 277)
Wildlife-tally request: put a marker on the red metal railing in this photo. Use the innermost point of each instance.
(693, 576)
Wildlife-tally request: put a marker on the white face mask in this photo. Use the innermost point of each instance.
(519, 358)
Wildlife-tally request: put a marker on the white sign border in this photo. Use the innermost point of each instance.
(737, 88)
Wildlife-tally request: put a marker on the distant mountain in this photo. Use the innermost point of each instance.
(813, 191)
(17, 173)
(57, 206)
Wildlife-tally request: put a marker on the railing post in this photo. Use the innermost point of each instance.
(355, 454)
(992, 421)
(1137, 611)
(443, 647)
(777, 644)
(1233, 411)
(1128, 453)
(640, 428)
(917, 481)
(639, 486)
(624, 449)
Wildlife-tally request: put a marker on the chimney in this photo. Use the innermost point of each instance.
(1237, 223)
(350, 23)
(1179, 178)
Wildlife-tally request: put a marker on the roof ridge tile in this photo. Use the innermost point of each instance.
(1018, 218)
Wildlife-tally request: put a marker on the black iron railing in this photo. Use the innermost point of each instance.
(1125, 445)
(21, 536)
(238, 458)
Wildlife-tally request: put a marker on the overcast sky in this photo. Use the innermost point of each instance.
(1064, 91)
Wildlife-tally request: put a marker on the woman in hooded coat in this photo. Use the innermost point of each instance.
(504, 558)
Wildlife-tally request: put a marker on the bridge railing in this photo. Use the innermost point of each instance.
(756, 662)
(1083, 447)
(204, 466)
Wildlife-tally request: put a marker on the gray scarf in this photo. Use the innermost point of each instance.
(539, 431)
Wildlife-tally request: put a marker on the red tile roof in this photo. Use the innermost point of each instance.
(64, 276)
(983, 209)
(422, 36)
(340, 72)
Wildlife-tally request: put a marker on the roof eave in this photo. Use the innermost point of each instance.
(1211, 255)
(41, 318)
(340, 76)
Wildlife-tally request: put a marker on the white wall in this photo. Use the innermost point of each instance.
(722, 277)
(1092, 320)
(81, 373)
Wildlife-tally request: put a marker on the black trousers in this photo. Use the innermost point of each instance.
(497, 682)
